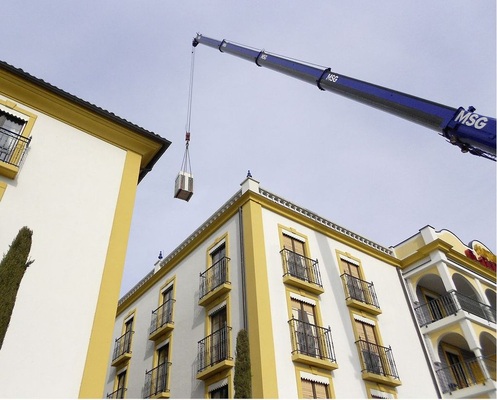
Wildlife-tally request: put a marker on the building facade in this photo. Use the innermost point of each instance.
(69, 172)
(327, 311)
(452, 291)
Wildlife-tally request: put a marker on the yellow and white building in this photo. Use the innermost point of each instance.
(452, 291)
(327, 311)
(68, 171)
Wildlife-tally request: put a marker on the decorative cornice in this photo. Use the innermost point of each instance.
(323, 221)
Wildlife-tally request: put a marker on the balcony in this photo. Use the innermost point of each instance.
(156, 382)
(12, 149)
(360, 294)
(122, 349)
(378, 364)
(301, 271)
(312, 345)
(214, 282)
(450, 304)
(214, 353)
(470, 376)
(117, 394)
(162, 322)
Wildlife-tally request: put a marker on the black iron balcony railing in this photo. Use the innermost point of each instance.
(214, 277)
(377, 359)
(311, 340)
(449, 304)
(301, 267)
(12, 147)
(465, 374)
(360, 290)
(122, 345)
(156, 381)
(117, 394)
(162, 316)
(214, 348)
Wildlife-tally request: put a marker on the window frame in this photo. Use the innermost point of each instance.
(9, 107)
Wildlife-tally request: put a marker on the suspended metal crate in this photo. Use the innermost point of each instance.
(183, 188)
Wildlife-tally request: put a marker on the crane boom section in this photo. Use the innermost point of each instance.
(464, 128)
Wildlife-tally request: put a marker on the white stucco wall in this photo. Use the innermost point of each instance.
(395, 322)
(189, 321)
(66, 192)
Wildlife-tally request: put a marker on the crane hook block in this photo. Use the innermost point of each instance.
(183, 188)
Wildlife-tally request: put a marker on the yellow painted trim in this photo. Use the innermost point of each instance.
(3, 188)
(116, 379)
(8, 170)
(229, 213)
(227, 374)
(382, 388)
(262, 352)
(95, 369)
(313, 371)
(71, 113)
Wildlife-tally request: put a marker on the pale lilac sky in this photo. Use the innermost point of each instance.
(375, 174)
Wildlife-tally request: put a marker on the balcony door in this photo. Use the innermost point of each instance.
(456, 367)
(306, 331)
(10, 127)
(219, 340)
(369, 347)
(353, 280)
(217, 274)
(162, 364)
(295, 257)
(167, 306)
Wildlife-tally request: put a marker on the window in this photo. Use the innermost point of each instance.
(305, 328)
(162, 369)
(295, 256)
(128, 331)
(118, 393)
(369, 347)
(121, 382)
(167, 306)
(353, 280)
(156, 380)
(219, 336)
(219, 393)
(10, 132)
(314, 390)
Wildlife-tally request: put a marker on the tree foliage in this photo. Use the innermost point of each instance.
(12, 268)
(243, 375)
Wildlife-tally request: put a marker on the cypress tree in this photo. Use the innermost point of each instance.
(12, 268)
(243, 375)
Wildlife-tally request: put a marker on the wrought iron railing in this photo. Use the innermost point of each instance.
(156, 380)
(162, 316)
(301, 267)
(12, 147)
(360, 290)
(449, 304)
(122, 345)
(465, 374)
(117, 394)
(214, 277)
(311, 340)
(377, 359)
(214, 348)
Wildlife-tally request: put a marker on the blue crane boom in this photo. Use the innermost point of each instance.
(466, 129)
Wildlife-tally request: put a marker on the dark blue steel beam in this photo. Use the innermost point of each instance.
(468, 130)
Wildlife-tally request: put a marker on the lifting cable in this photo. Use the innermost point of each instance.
(186, 165)
(183, 188)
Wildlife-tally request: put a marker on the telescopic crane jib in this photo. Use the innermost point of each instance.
(466, 129)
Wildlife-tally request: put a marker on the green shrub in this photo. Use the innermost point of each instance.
(12, 268)
(243, 376)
